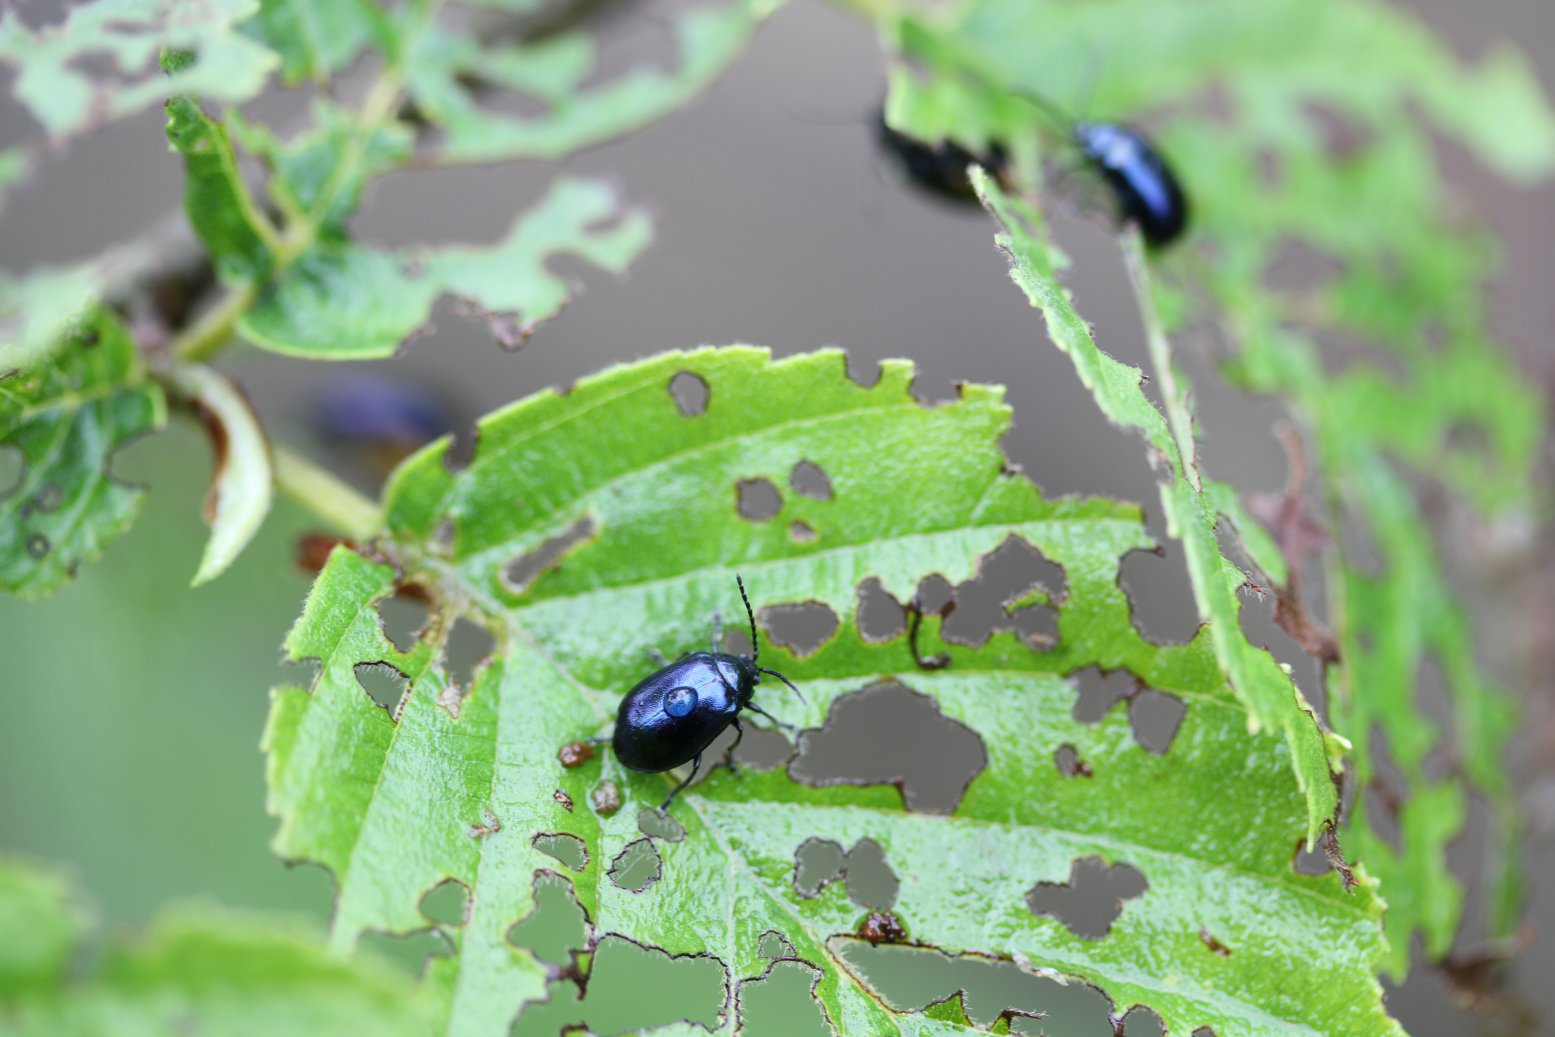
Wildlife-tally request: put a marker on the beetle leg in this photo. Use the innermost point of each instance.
(696, 765)
(656, 657)
(785, 725)
(739, 733)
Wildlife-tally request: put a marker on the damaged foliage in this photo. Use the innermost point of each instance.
(1282, 151)
(388, 804)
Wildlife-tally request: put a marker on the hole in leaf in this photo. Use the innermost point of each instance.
(12, 467)
(522, 572)
(802, 628)
(447, 904)
(1067, 759)
(469, 646)
(665, 989)
(410, 952)
(1091, 900)
(1013, 590)
(637, 866)
(860, 374)
(801, 532)
(774, 944)
(1142, 1022)
(1100, 691)
(1313, 862)
(660, 826)
(781, 1002)
(935, 595)
(930, 757)
(758, 499)
(1295, 266)
(817, 863)
(384, 685)
(564, 847)
(974, 991)
(1155, 717)
(1160, 598)
(870, 881)
(690, 393)
(403, 618)
(881, 617)
(809, 480)
(1204, 1031)
(557, 927)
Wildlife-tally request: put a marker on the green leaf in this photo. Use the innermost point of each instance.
(319, 175)
(52, 63)
(36, 310)
(42, 925)
(341, 301)
(1266, 169)
(448, 72)
(66, 419)
(631, 506)
(1272, 699)
(315, 40)
(198, 970)
(243, 486)
(239, 237)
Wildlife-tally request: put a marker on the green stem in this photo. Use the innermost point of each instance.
(325, 495)
(206, 336)
(1178, 414)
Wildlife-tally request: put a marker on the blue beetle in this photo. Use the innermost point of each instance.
(1146, 189)
(673, 714)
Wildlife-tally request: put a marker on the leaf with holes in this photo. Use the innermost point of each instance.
(66, 419)
(342, 301)
(53, 63)
(628, 486)
(196, 971)
(563, 72)
(240, 238)
(315, 40)
(1347, 284)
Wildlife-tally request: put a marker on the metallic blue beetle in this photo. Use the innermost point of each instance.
(676, 712)
(1145, 187)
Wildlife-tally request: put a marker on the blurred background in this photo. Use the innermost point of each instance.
(132, 705)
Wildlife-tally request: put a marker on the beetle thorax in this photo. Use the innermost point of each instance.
(740, 673)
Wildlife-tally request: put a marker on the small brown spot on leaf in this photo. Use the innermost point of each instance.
(564, 799)
(575, 754)
(605, 798)
(882, 927)
(1213, 944)
(38, 545)
(1067, 759)
(801, 532)
(490, 826)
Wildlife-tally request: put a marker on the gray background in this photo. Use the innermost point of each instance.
(778, 224)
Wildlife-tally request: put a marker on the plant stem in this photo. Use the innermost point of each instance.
(325, 495)
(206, 336)
(1178, 414)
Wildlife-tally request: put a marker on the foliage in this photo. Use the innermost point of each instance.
(475, 767)
(66, 420)
(1405, 279)
(197, 970)
(591, 525)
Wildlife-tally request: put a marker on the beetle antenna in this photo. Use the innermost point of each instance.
(785, 680)
(755, 646)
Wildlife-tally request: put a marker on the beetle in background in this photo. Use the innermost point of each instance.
(673, 714)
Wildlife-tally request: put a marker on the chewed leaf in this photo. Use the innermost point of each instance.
(52, 63)
(342, 301)
(67, 418)
(242, 487)
(239, 237)
(315, 39)
(1271, 697)
(476, 784)
(449, 73)
(196, 971)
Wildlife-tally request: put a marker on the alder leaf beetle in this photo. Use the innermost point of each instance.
(674, 713)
